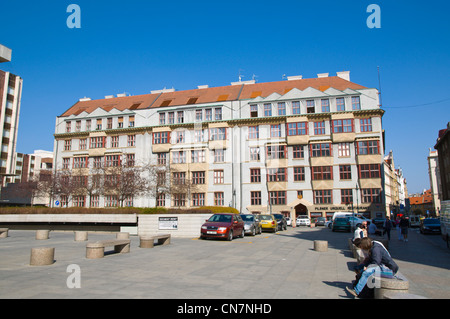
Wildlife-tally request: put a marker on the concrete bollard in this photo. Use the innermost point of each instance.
(42, 256)
(146, 242)
(81, 235)
(42, 234)
(4, 232)
(94, 251)
(321, 245)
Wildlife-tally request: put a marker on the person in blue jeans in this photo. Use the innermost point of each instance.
(379, 263)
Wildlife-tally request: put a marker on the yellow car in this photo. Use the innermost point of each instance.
(268, 222)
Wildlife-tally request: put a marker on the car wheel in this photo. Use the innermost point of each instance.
(230, 235)
(253, 231)
(242, 233)
(260, 230)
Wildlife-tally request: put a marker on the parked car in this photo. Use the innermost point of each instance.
(281, 221)
(303, 221)
(329, 223)
(379, 222)
(269, 222)
(252, 224)
(356, 221)
(341, 223)
(430, 226)
(223, 225)
(288, 221)
(414, 221)
(320, 221)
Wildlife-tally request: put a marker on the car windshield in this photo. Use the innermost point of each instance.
(266, 217)
(302, 217)
(220, 218)
(248, 218)
(431, 221)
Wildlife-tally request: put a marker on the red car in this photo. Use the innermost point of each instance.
(223, 225)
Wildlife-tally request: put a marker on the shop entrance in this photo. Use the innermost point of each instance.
(301, 210)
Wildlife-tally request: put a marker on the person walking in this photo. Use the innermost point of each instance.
(404, 223)
(397, 226)
(387, 227)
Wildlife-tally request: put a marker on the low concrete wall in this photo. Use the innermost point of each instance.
(69, 218)
(187, 226)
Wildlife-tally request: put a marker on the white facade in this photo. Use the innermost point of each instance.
(256, 131)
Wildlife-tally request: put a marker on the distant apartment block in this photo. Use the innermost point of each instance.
(10, 96)
(300, 146)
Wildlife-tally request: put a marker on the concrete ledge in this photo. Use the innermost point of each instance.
(69, 218)
(401, 295)
(42, 256)
(321, 245)
(392, 285)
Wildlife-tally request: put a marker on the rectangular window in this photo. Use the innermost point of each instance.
(299, 173)
(160, 137)
(346, 196)
(276, 174)
(342, 126)
(199, 115)
(83, 144)
(371, 195)
(180, 117)
(97, 142)
(95, 201)
(300, 128)
(208, 114)
(369, 170)
(218, 114)
(80, 162)
(320, 150)
(268, 109)
(277, 198)
(112, 160)
(68, 127)
(198, 177)
(322, 172)
(325, 103)
(161, 158)
(171, 118)
(281, 108)
(344, 149)
(254, 154)
(114, 141)
(78, 200)
(345, 172)
(199, 136)
(179, 178)
(98, 161)
(365, 125)
(67, 145)
(253, 132)
(253, 110)
(109, 123)
(130, 160)
(131, 140)
(131, 121)
(368, 147)
(178, 157)
(218, 199)
(356, 104)
(161, 200)
(198, 156)
(255, 175)
(297, 151)
(340, 104)
(198, 199)
(162, 118)
(255, 198)
(310, 106)
(319, 128)
(66, 163)
(276, 151)
(295, 107)
(111, 201)
(179, 137)
(322, 196)
(218, 177)
(219, 156)
(218, 134)
(179, 200)
(275, 130)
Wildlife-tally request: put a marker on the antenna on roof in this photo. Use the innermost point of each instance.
(254, 77)
(379, 85)
(283, 76)
(240, 75)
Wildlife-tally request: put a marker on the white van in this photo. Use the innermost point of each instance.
(414, 220)
(343, 214)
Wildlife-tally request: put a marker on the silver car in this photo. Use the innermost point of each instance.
(252, 224)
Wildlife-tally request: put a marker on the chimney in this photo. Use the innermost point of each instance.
(322, 75)
(203, 86)
(85, 99)
(294, 77)
(344, 75)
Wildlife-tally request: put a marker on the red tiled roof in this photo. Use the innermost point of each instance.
(210, 95)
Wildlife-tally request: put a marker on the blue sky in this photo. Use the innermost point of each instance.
(136, 46)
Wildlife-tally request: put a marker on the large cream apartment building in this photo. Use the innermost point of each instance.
(299, 146)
